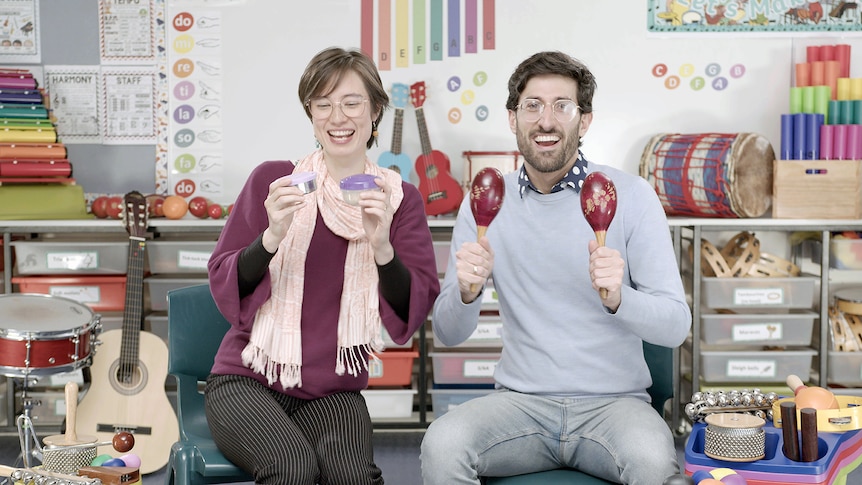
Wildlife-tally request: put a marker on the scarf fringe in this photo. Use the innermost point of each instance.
(255, 358)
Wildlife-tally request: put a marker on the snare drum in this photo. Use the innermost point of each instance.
(45, 334)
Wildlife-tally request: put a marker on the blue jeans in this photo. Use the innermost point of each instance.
(508, 433)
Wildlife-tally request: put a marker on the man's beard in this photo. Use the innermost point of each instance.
(549, 162)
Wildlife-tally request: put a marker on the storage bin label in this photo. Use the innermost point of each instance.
(193, 259)
(487, 331)
(76, 260)
(479, 368)
(757, 331)
(375, 368)
(758, 296)
(751, 368)
(81, 294)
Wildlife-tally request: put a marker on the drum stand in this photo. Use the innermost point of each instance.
(26, 433)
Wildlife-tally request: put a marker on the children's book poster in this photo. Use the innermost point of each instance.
(735, 16)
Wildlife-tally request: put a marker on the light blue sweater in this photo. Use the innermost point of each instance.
(558, 338)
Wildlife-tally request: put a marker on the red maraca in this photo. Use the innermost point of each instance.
(599, 203)
(486, 198)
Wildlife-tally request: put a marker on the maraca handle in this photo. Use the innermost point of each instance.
(480, 232)
(600, 238)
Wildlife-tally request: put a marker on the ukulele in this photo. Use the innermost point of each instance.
(441, 192)
(394, 159)
(127, 389)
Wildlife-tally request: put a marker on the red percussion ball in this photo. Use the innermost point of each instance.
(123, 441)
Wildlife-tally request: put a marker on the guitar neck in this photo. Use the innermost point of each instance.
(397, 131)
(423, 132)
(133, 311)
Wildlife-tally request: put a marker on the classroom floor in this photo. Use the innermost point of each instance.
(396, 453)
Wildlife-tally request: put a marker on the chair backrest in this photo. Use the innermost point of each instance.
(195, 330)
(660, 362)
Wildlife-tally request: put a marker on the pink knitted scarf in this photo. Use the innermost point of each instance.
(274, 349)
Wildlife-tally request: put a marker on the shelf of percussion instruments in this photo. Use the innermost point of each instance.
(692, 231)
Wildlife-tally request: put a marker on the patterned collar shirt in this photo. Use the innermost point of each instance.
(573, 179)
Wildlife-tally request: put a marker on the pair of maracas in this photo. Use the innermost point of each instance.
(598, 201)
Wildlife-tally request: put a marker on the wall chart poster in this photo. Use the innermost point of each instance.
(735, 16)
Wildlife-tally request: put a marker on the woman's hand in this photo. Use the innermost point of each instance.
(377, 213)
(282, 201)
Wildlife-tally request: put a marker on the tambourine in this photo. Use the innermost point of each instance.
(741, 257)
(849, 300)
(848, 416)
(846, 330)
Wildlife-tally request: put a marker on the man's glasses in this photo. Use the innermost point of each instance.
(564, 110)
(352, 106)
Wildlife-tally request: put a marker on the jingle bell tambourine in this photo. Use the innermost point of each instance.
(848, 416)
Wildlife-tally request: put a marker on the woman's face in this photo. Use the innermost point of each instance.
(342, 119)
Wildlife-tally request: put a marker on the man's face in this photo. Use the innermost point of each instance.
(548, 144)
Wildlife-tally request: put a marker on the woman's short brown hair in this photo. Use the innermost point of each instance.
(326, 69)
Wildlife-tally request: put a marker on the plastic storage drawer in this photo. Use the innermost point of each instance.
(845, 368)
(67, 257)
(779, 329)
(464, 367)
(845, 253)
(159, 286)
(100, 293)
(389, 403)
(392, 368)
(179, 256)
(488, 334)
(749, 293)
(755, 366)
(442, 400)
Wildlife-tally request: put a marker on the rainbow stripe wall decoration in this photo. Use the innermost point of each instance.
(439, 29)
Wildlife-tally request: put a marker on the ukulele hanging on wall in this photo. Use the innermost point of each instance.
(440, 191)
(395, 159)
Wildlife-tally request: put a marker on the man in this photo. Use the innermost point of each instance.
(571, 379)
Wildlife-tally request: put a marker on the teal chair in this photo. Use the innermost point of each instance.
(195, 330)
(660, 362)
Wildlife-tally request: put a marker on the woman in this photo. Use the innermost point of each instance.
(307, 282)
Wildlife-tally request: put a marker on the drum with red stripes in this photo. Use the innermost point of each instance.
(710, 174)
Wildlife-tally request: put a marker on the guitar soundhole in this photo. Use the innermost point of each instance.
(128, 379)
(431, 171)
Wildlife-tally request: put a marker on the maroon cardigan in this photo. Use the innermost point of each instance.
(411, 238)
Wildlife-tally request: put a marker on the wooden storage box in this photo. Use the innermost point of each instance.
(817, 189)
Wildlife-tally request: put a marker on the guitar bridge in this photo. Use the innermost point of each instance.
(114, 429)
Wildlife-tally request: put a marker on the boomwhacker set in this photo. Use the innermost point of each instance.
(811, 438)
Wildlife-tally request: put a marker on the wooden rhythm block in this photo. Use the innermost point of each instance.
(111, 475)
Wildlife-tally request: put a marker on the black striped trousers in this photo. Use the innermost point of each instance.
(284, 440)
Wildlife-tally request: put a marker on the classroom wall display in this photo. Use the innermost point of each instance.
(759, 16)
(20, 29)
(252, 62)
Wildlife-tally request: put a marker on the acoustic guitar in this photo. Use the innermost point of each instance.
(127, 392)
(441, 192)
(394, 159)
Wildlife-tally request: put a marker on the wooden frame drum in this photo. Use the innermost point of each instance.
(45, 334)
(505, 162)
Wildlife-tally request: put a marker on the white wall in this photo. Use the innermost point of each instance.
(267, 43)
